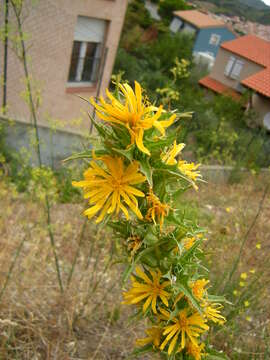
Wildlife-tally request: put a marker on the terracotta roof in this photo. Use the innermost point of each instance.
(250, 47)
(199, 19)
(218, 87)
(256, 50)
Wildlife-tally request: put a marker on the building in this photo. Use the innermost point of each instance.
(71, 47)
(209, 33)
(244, 63)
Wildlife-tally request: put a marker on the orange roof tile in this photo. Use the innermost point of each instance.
(256, 50)
(250, 47)
(199, 19)
(218, 87)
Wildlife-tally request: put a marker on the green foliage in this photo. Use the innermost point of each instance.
(167, 7)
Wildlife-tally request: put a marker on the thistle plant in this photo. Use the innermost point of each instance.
(133, 185)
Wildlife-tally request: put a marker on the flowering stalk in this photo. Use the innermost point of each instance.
(132, 184)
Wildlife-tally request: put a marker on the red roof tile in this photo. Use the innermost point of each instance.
(218, 87)
(199, 19)
(256, 50)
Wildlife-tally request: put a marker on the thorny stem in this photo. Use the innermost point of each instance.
(236, 263)
(18, 251)
(17, 13)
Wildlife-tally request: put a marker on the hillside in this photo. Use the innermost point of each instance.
(253, 10)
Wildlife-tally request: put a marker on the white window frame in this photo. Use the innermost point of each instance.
(214, 39)
(233, 68)
(88, 30)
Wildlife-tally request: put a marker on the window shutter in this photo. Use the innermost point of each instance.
(237, 69)
(229, 65)
(89, 29)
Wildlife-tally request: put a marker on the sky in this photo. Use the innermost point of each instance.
(267, 2)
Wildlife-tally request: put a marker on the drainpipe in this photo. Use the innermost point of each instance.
(4, 103)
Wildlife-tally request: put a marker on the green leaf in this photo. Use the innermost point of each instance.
(126, 153)
(147, 170)
(186, 291)
(218, 299)
(139, 351)
(103, 132)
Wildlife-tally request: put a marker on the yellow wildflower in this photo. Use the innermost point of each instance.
(195, 350)
(148, 289)
(135, 114)
(189, 242)
(212, 312)
(154, 336)
(157, 209)
(246, 303)
(235, 292)
(228, 209)
(108, 189)
(198, 289)
(258, 246)
(248, 318)
(190, 326)
(134, 243)
(252, 271)
(242, 283)
(189, 170)
(169, 157)
(243, 276)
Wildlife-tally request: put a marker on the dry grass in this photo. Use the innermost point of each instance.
(87, 321)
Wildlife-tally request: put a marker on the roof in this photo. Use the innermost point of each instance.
(256, 50)
(199, 19)
(218, 87)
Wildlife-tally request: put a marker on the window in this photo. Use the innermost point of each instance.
(86, 51)
(176, 24)
(233, 68)
(214, 39)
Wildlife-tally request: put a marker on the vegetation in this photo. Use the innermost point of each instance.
(220, 130)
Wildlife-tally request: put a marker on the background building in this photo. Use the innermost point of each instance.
(71, 47)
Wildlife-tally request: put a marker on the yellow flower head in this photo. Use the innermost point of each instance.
(212, 312)
(184, 325)
(246, 303)
(243, 276)
(189, 242)
(189, 170)
(134, 243)
(108, 188)
(169, 157)
(198, 288)
(154, 336)
(149, 289)
(258, 246)
(135, 114)
(156, 209)
(194, 350)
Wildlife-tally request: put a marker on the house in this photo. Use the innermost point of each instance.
(71, 47)
(209, 33)
(244, 63)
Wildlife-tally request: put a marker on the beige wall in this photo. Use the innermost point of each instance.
(222, 59)
(261, 105)
(50, 27)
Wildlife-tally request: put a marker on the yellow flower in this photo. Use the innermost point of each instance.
(258, 246)
(198, 289)
(246, 303)
(252, 271)
(242, 283)
(109, 189)
(190, 326)
(195, 350)
(157, 209)
(135, 114)
(189, 170)
(212, 312)
(243, 276)
(189, 242)
(169, 157)
(154, 335)
(134, 243)
(148, 289)
(248, 318)
(235, 292)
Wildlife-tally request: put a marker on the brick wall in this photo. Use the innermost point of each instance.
(49, 26)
